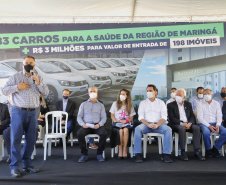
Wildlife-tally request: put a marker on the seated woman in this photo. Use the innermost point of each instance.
(122, 113)
(43, 110)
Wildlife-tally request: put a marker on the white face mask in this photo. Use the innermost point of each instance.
(200, 96)
(150, 95)
(173, 95)
(207, 97)
(179, 99)
(93, 95)
(122, 98)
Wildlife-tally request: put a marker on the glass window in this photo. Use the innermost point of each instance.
(116, 63)
(48, 67)
(129, 62)
(76, 65)
(16, 65)
(6, 71)
(61, 65)
(87, 64)
(101, 64)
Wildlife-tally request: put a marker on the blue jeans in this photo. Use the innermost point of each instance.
(143, 129)
(22, 122)
(206, 136)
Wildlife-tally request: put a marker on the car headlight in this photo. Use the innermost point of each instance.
(93, 77)
(115, 74)
(64, 82)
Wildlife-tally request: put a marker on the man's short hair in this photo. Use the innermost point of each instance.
(153, 86)
(211, 92)
(222, 88)
(92, 87)
(199, 88)
(66, 90)
(181, 89)
(29, 56)
(173, 88)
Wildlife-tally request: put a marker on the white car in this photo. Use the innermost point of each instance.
(132, 73)
(130, 63)
(137, 60)
(117, 76)
(56, 79)
(99, 79)
(5, 73)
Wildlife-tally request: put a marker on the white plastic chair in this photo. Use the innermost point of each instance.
(176, 135)
(145, 139)
(94, 136)
(57, 131)
(212, 142)
(1, 147)
(115, 150)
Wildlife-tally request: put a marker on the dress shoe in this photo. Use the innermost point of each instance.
(184, 156)
(209, 154)
(83, 159)
(199, 156)
(30, 169)
(138, 158)
(166, 158)
(15, 173)
(215, 152)
(8, 160)
(120, 157)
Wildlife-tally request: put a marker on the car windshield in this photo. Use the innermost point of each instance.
(76, 65)
(129, 62)
(16, 65)
(6, 71)
(47, 67)
(87, 64)
(137, 61)
(101, 64)
(116, 63)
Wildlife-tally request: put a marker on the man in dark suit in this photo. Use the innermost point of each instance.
(68, 106)
(182, 120)
(224, 113)
(4, 117)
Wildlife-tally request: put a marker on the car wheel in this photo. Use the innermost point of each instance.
(53, 95)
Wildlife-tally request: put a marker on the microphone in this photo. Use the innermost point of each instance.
(32, 73)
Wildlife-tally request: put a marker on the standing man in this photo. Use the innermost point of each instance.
(152, 113)
(195, 99)
(182, 120)
(25, 89)
(209, 116)
(68, 106)
(172, 94)
(92, 117)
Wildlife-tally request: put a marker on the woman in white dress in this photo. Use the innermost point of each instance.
(122, 113)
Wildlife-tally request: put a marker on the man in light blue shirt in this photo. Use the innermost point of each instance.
(25, 89)
(92, 117)
(195, 99)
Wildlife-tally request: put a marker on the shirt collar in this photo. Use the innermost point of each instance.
(90, 101)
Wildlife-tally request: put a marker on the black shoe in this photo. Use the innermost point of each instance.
(8, 160)
(138, 158)
(215, 152)
(199, 156)
(30, 169)
(15, 173)
(184, 156)
(120, 158)
(209, 154)
(166, 158)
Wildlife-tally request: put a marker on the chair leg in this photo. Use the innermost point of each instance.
(144, 145)
(203, 147)
(112, 152)
(64, 148)
(103, 154)
(71, 138)
(116, 149)
(160, 144)
(1, 148)
(45, 148)
(176, 144)
(49, 147)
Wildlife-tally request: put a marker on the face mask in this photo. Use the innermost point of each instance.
(207, 97)
(173, 95)
(223, 95)
(122, 98)
(65, 97)
(93, 95)
(200, 96)
(150, 95)
(28, 68)
(179, 99)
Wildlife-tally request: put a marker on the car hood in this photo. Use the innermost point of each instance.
(92, 72)
(64, 76)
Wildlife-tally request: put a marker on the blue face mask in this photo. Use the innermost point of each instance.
(65, 97)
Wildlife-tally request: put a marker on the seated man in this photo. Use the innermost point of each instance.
(68, 106)
(173, 95)
(182, 120)
(152, 113)
(209, 117)
(195, 99)
(92, 117)
(222, 98)
(224, 113)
